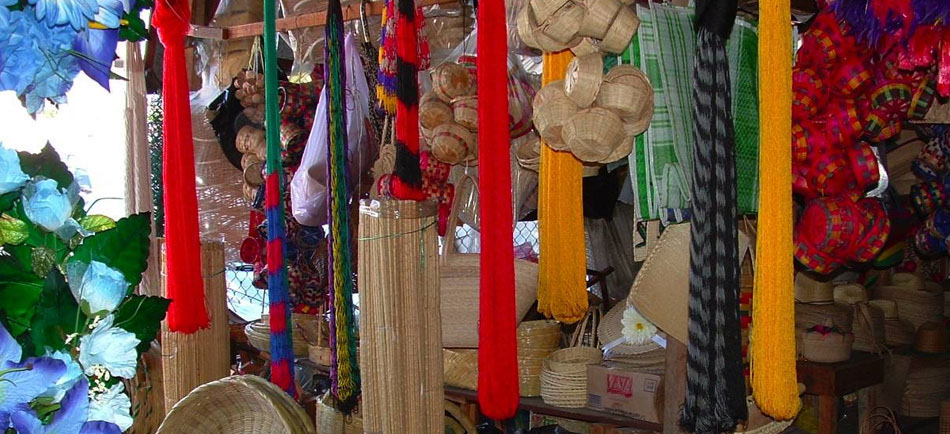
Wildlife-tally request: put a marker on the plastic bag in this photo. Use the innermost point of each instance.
(307, 43)
(308, 189)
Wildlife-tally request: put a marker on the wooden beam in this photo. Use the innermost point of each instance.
(351, 12)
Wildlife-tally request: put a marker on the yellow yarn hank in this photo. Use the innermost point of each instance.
(562, 286)
(774, 383)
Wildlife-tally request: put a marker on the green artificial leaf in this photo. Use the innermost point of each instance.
(124, 247)
(12, 230)
(96, 223)
(57, 315)
(43, 259)
(7, 200)
(19, 292)
(142, 316)
(135, 30)
(47, 164)
(38, 237)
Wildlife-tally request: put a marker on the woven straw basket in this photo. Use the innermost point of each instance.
(810, 315)
(528, 153)
(465, 109)
(249, 138)
(543, 9)
(584, 47)
(931, 338)
(433, 112)
(638, 120)
(332, 421)
(451, 80)
(237, 405)
(258, 333)
(626, 95)
(552, 109)
(562, 27)
(830, 348)
(600, 15)
(621, 31)
(526, 26)
(564, 376)
(592, 134)
(452, 143)
(583, 78)
(808, 290)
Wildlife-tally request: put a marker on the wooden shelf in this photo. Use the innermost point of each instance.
(351, 11)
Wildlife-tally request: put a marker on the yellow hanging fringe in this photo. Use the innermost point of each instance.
(562, 288)
(774, 384)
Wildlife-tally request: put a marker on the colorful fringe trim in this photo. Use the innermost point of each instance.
(407, 175)
(344, 370)
(278, 294)
(386, 90)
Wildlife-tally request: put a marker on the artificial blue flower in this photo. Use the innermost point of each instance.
(110, 11)
(112, 406)
(35, 60)
(11, 174)
(100, 427)
(75, 13)
(22, 382)
(97, 287)
(109, 347)
(47, 205)
(69, 419)
(65, 382)
(96, 51)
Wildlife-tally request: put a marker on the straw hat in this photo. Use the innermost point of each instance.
(907, 280)
(810, 315)
(823, 344)
(610, 331)
(621, 31)
(593, 133)
(452, 143)
(562, 26)
(887, 306)
(600, 15)
(660, 291)
(931, 338)
(809, 290)
(638, 119)
(583, 78)
(552, 110)
(914, 305)
(584, 47)
(851, 293)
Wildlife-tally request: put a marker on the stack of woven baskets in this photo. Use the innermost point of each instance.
(564, 376)
(556, 25)
(536, 341)
(593, 115)
(243, 404)
(928, 382)
(448, 115)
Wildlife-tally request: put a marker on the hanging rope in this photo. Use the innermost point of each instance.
(774, 384)
(562, 287)
(407, 176)
(715, 397)
(278, 295)
(497, 356)
(344, 370)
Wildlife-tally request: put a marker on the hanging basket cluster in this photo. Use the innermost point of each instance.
(557, 25)
(594, 116)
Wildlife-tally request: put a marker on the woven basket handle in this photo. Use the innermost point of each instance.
(880, 417)
(586, 324)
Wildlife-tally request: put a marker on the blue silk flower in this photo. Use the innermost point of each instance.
(11, 174)
(97, 287)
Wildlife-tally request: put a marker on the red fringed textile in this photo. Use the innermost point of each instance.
(497, 348)
(185, 287)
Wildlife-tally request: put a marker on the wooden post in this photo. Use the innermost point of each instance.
(674, 385)
(190, 360)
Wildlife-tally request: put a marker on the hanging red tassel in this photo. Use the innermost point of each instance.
(185, 287)
(497, 348)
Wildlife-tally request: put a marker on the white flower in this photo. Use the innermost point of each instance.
(97, 287)
(11, 175)
(636, 329)
(111, 347)
(112, 406)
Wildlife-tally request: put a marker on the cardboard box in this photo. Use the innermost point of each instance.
(616, 388)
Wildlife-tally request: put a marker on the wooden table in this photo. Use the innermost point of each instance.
(830, 381)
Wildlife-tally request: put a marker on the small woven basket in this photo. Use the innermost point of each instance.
(451, 80)
(433, 112)
(622, 150)
(528, 153)
(248, 139)
(465, 109)
(931, 338)
(584, 47)
(583, 78)
(621, 31)
(592, 134)
(551, 116)
(564, 376)
(452, 143)
(543, 9)
(600, 15)
(551, 91)
(258, 333)
(563, 25)
(626, 95)
(527, 24)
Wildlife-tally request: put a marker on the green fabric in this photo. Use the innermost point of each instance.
(664, 49)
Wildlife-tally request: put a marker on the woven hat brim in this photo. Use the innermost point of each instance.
(611, 329)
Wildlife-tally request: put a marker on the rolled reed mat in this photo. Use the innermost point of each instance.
(914, 305)
(400, 322)
(868, 327)
(928, 382)
(810, 315)
(190, 360)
